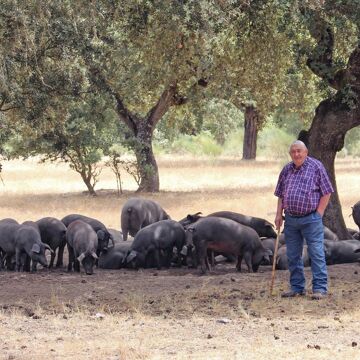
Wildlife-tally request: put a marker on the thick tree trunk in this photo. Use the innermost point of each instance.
(149, 173)
(250, 133)
(89, 186)
(336, 115)
(324, 139)
(141, 128)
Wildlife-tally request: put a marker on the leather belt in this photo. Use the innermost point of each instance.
(300, 216)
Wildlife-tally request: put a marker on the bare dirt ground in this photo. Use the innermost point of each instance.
(173, 313)
(176, 313)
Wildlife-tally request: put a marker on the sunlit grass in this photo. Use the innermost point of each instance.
(32, 190)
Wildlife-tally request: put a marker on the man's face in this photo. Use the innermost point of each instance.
(298, 154)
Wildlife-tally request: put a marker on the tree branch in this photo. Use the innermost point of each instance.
(9, 108)
(99, 80)
(353, 69)
(168, 98)
(320, 61)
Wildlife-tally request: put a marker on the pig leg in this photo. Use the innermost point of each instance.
(124, 228)
(60, 255)
(76, 264)
(34, 266)
(157, 258)
(202, 256)
(248, 261)
(18, 260)
(238, 265)
(52, 258)
(210, 255)
(71, 258)
(191, 258)
(208, 266)
(27, 261)
(24, 262)
(168, 255)
(2, 260)
(125, 235)
(9, 262)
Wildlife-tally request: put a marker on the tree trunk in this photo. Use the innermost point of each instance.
(148, 168)
(89, 185)
(324, 139)
(336, 115)
(142, 131)
(141, 128)
(250, 133)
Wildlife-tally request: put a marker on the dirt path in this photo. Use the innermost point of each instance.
(176, 313)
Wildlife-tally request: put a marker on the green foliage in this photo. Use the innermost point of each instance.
(219, 117)
(352, 142)
(6, 133)
(289, 121)
(234, 143)
(273, 143)
(68, 68)
(85, 135)
(202, 144)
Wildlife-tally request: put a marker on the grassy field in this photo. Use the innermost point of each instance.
(32, 190)
(171, 313)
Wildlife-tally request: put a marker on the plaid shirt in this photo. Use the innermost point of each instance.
(301, 189)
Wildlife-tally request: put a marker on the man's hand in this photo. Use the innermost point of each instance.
(321, 213)
(278, 221)
(279, 218)
(324, 200)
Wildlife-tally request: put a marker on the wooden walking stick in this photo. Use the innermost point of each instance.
(274, 262)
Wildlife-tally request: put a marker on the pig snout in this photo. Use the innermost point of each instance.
(42, 260)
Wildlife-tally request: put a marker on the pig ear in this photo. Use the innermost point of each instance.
(269, 252)
(112, 239)
(81, 257)
(266, 257)
(93, 254)
(36, 248)
(131, 256)
(100, 234)
(123, 261)
(49, 248)
(184, 250)
(278, 260)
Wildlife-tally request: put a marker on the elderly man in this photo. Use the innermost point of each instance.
(303, 192)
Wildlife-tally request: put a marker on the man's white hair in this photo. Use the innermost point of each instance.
(297, 142)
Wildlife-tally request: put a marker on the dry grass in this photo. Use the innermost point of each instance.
(34, 190)
(173, 314)
(82, 335)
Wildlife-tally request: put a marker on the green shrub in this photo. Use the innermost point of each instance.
(274, 143)
(234, 143)
(202, 144)
(352, 142)
(354, 149)
(342, 153)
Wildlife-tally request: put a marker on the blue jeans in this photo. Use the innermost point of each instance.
(311, 228)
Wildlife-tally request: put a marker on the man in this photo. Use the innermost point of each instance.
(303, 192)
